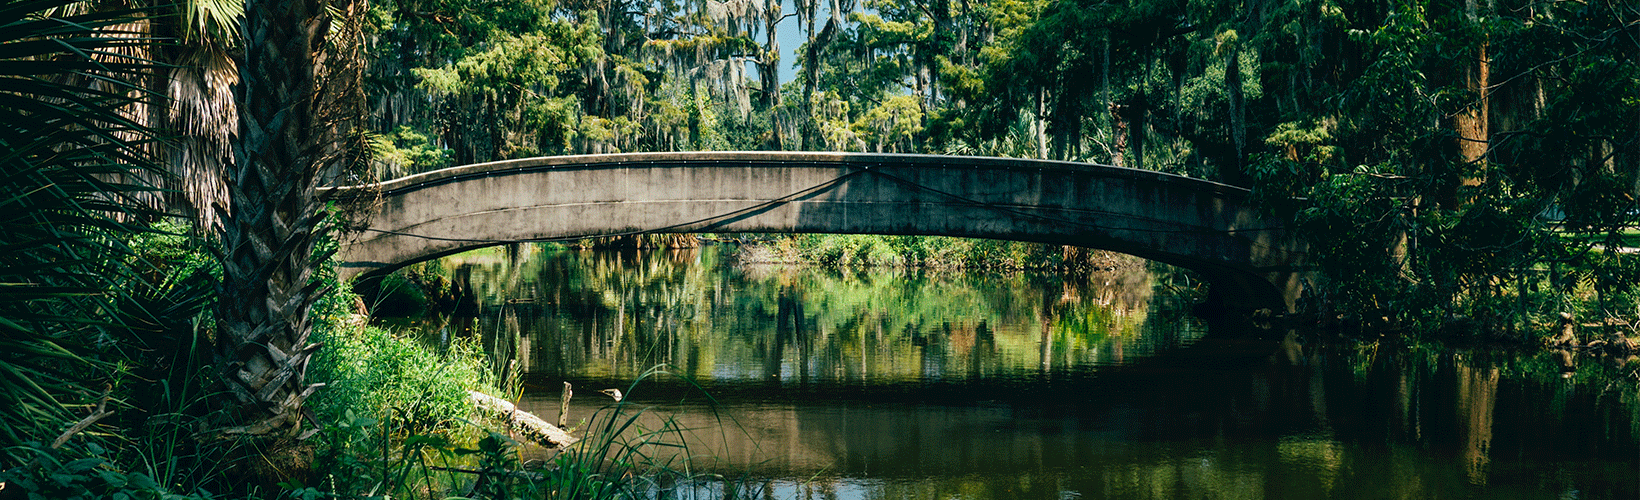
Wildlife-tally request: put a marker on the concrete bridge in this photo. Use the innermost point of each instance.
(1199, 225)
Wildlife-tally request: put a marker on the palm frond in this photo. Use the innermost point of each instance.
(69, 147)
(200, 90)
(212, 22)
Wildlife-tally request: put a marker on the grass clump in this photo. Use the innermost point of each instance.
(376, 373)
(393, 411)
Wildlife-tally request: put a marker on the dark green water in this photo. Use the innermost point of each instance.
(908, 385)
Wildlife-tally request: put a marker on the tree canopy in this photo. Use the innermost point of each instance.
(1432, 149)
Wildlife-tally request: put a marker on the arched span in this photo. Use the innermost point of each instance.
(1191, 223)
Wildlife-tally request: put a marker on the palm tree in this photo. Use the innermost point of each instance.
(202, 116)
(294, 112)
(75, 105)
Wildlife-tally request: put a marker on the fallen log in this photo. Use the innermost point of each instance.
(526, 423)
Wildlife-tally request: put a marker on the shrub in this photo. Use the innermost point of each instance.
(379, 374)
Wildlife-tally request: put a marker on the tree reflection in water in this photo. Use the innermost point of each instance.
(891, 383)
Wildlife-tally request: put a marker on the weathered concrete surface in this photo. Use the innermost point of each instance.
(1196, 224)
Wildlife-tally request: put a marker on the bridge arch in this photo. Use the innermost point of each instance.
(1207, 227)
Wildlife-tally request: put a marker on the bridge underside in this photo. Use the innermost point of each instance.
(1194, 224)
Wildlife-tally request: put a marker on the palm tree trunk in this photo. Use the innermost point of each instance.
(269, 232)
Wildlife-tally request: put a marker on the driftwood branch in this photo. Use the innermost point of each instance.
(524, 422)
(90, 420)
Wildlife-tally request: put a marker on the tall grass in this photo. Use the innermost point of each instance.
(68, 155)
(621, 458)
(393, 411)
(377, 373)
(142, 440)
(628, 451)
(397, 423)
(417, 439)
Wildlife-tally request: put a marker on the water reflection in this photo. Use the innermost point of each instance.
(614, 315)
(902, 384)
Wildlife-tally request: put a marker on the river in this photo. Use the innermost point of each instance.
(800, 382)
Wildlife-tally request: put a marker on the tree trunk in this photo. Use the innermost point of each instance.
(1234, 173)
(269, 232)
(1135, 115)
(769, 75)
(1039, 125)
(1472, 122)
(942, 46)
(811, 73)
(1117, 132)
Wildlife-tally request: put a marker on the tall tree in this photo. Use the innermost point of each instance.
(274, 221)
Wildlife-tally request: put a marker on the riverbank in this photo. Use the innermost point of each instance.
(1520, 316)
(930, 252)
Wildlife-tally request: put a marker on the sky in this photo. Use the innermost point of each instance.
(791, 38)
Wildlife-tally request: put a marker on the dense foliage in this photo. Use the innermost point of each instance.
(935, 252)
(1443, 157)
